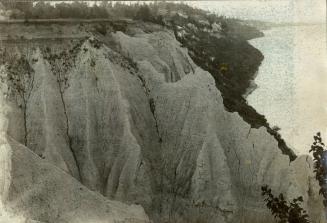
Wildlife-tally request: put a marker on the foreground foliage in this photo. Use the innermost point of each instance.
(292, 212)
(319, 152)
(284, 211)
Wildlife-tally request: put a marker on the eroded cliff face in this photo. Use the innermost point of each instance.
(129, 117)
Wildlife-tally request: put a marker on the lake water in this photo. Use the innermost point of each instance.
(308, 11)
(292, 82)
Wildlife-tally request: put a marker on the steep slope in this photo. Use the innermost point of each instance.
(132, 118)
(212, 158)
(34, 189)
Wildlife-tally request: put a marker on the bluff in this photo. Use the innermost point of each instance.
(124, 127)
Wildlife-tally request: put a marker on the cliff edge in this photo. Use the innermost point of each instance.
(91, 120)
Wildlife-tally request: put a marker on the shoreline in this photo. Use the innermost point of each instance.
(252, 87)
(239, 80)
(231, 60)
(252, 84)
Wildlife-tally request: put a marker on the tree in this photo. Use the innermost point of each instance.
(144, 13)
(319, 152)
(292, 212)
(20, 10)
(43, 10)
(285, 212)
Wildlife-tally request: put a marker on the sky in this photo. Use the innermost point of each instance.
(305, 11)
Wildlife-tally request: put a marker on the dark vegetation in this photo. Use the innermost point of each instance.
(215, 43)
(61, 62)
(19, 71)
(20, 77)
(319, 152)
(232, 62)
(225, 53)
(43, 10)
(284, 211)
(292, 212)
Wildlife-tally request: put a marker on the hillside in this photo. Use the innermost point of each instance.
(95, 114)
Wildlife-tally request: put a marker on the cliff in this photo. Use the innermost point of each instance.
(90, 120)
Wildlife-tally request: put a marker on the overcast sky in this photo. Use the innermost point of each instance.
(309, 11)
(269, 10)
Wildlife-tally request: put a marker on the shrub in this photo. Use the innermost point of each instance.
(101, 28)
(292, 212)
(276, 128)
(285, 212)
(319, 152)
